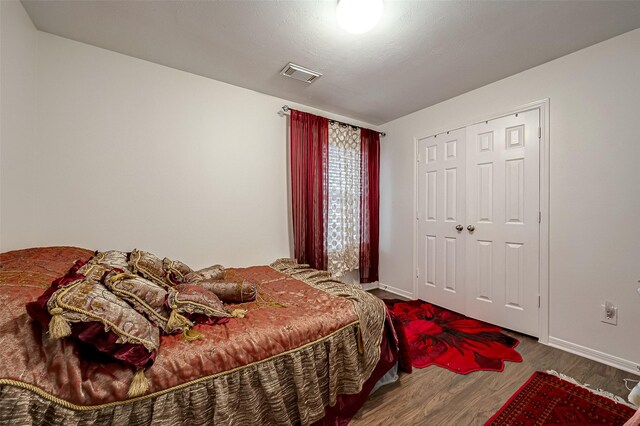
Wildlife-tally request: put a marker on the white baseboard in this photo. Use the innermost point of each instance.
(592, 354)
(370, 286)
(394, 290)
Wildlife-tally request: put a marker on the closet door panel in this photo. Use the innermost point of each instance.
(441, 207)
(502, 222)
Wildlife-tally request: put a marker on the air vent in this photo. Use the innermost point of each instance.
(300, 73)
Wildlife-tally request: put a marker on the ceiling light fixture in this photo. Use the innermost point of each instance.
(359, 16)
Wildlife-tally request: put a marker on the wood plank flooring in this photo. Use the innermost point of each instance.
(436, 396)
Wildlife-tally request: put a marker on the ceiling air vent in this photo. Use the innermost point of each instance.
(300, 73)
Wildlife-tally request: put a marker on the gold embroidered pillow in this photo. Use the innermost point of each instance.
(145, 296)
(94, 271)
(215, 272)
(147, 265)
(231, 292)
(191, 302)
(87, 310)
(177, 272)
(113, 258)
(103, 262)
(85, 301)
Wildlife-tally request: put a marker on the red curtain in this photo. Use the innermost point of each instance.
(309, 161)
(369, 204)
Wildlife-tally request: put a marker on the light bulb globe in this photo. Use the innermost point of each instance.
(359, 16)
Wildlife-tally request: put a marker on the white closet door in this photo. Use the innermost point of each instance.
(502, 210)
(441, 207)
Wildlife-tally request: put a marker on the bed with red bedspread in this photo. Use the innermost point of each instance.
(309, 351)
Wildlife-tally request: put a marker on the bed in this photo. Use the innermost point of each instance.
(309, 351)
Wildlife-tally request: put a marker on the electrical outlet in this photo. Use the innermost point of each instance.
(609, 313)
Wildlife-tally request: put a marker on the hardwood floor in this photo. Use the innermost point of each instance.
(436, 396)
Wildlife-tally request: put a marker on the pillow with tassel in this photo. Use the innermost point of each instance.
(102, 263)
(241, 291)
(148, 266)
(145, 296)
(112, 259)
(86, 310)
(177, 272)
(215, 272)
(190, 303)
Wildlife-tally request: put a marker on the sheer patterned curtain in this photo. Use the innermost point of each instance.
(343, 216)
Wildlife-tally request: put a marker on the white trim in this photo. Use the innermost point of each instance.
(395, 290)
(543, 286)
(415, 220)
(545, 185)
(595, 355)
(370, 286)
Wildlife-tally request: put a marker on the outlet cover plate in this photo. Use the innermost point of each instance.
(613, 320)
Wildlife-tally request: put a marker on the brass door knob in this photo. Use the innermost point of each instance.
(459, 228)
(471, 228)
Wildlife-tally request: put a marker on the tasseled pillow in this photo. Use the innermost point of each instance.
(113, 259)
(145, 296)
(147, 265)
(215, 272)
(177, 272)
(190, 303)
(241, 291)
(88, 311)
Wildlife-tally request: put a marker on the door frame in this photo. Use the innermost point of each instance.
(543, 262)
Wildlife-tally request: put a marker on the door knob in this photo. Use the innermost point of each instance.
(471, 228)
(459, 228)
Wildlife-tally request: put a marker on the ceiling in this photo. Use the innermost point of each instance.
(420, 54)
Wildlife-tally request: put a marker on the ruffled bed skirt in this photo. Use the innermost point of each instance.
(293, 387)
(289, 387)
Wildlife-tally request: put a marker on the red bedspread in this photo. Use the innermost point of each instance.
(63, 369)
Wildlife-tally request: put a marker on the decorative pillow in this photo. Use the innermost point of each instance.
(38, 308)
(94, 271)
(87, 310)
(144, 295)
(148, 265)
(215, 272)
(190, 303)
(112, 258)
(231, 292)
(177, 272)
(103, 262)
(87, 301)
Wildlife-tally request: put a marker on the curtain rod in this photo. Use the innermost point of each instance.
(286, 108)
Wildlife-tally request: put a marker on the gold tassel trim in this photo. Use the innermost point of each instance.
(239, 313)
(58, 326)
(262, 302)
(139, 385)
(177, 322)
(190, 335)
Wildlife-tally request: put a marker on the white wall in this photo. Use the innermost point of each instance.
(594, 195)
(18, 66)
(134, 154)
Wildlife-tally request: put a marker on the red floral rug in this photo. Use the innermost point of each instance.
(450, 340)
(549, 400)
